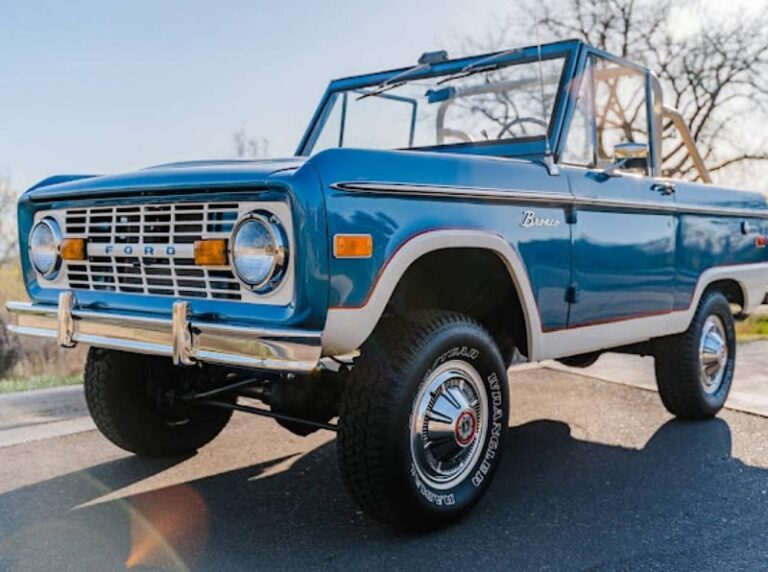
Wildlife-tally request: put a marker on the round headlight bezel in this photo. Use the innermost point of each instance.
(274, 277)
(53, 227)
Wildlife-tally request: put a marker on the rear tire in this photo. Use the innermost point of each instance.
(122, 391)
(423, 419)
(694, 370)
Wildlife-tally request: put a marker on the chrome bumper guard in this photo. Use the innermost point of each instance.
(184, 340)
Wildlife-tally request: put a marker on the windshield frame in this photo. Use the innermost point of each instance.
(534, 145)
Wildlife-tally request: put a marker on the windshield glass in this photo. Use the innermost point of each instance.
(505, 103)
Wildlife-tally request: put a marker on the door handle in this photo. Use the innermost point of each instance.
(665, 188)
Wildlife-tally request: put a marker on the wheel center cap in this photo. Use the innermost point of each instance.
(465, 427)
(722, 354)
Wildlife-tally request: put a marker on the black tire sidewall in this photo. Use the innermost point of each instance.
(715, 305)
(116, 394)
(473, 346)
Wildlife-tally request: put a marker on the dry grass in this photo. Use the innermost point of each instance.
(754, 328)
(11, 284)
(42, 363)
(12, 384)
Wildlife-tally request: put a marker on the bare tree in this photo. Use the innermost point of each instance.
(247, 145)
(8, 235)
(714, 76)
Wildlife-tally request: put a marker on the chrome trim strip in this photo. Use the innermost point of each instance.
(624, 205)
(541, 197)
(454, 192)
(182, 339)
(722, 211)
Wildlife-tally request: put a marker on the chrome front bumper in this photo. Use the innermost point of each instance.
(184, 340)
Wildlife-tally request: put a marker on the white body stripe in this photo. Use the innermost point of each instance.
(347, 328)
(752, 278)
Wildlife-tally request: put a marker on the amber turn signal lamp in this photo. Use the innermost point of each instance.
(73, 249)
(353, 246)
(211, 252)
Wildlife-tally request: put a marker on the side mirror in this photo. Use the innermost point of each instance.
(628, 155)
(630, 150)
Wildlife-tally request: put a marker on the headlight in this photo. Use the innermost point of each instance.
(44, 244)
(259, 251)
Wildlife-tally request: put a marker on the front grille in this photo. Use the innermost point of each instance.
(149, 249)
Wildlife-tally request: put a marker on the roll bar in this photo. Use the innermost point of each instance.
(678, 121)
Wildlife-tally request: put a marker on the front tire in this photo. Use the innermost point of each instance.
(694, 370)
(130, 398)
(423, 420)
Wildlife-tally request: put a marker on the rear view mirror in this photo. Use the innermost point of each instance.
(431, 58)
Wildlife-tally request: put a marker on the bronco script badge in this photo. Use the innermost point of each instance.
(530, 220)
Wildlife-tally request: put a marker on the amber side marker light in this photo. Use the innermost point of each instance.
(73, 249)
(353, 246)
(211, 252)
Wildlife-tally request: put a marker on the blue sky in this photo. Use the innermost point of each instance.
(96, 87)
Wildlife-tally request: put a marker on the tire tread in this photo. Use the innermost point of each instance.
(371, 394)
(113, 397)
(678, 384)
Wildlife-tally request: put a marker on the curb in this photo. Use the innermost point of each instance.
(738, 401)
(28, 416)
(66, 401)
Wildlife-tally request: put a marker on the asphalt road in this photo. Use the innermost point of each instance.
(596, 476)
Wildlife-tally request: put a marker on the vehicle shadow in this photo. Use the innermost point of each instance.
(557, 502)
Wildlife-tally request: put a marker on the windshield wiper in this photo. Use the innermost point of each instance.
(486, 64)
(393, 82)
(426, 61)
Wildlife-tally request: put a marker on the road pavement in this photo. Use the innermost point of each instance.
(749, 392)
(42, 414)
(596, 476)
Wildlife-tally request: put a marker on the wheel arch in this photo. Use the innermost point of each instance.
(733, 290)
(347, 328)
(472, 281)
(742, 285)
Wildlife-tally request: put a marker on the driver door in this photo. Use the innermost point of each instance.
(624, 229)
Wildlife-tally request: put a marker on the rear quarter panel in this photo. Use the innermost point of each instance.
(708, 240)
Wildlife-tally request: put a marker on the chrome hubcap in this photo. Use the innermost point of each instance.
(449, 424)
(713, 355)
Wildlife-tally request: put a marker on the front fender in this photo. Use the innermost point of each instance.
(406, 224)
(348, 327)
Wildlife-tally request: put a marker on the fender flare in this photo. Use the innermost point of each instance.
(752, 280)
(346, 328)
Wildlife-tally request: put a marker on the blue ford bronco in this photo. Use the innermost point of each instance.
(438, 223)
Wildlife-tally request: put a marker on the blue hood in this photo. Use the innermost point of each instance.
(231, 174)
